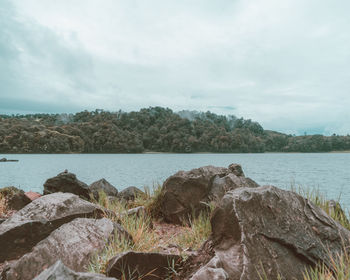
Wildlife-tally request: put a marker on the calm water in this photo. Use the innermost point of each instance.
(328, 172)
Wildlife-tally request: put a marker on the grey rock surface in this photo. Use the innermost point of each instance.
(73, 243)
(280, 230)
(37, 220)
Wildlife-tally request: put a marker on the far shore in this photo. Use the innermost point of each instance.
(154, 152)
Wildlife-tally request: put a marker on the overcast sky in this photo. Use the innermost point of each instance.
(285, 64)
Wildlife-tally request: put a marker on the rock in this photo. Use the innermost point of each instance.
(137, 211)
(221, 185)
(145, 266)
(14, 197)
(102, 185)
(130, 193)
(184, 192)
(32, 195)
(66, 182)
(37, 220)
(278, 229)
(59, 271)
(2, 220)
(236, 169)
(73, 243)
(212, 270)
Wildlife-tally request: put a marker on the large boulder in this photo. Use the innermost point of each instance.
(15, 198)
(139, 265)
(272, 231)
(130, 193)
(37, 220)
(66, 182)
(59, 271)
(102, 185)
(184, 192)
(73, 243)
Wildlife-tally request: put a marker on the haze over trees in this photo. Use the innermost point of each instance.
(151, 129)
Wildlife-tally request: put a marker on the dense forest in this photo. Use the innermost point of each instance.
(152, 129)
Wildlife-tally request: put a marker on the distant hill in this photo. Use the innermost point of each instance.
(151, 129)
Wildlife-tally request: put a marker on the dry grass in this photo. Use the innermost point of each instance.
(340, 264)
(339, 269)
(199, 231)
(320, 200)
(151, 200)
(145, 238)
(139, 227)
(3, 206)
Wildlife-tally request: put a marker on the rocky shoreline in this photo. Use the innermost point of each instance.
(257, 232)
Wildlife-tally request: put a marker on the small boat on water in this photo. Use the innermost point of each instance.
(8, 160)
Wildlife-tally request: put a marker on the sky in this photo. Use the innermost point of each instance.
(285, 64)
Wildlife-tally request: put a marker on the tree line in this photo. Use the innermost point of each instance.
(151, 129)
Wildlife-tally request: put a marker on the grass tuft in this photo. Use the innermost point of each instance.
(138, 226)
(339, 269)
(199, 231)
(340, 264)
(145, 239)
(3, 205)
(321, 201)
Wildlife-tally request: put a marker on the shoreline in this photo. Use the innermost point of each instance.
(175, 153)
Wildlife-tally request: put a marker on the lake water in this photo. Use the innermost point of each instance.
(328, 172)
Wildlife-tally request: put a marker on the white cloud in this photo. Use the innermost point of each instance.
(282, 63)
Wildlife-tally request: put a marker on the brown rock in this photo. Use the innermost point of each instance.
(236, 169)
(265, 227)
(145, 266)
(130, 193)
(67, 182)
(102, 185)
(184, 192)
(37, 220)
(32, 195)
(14, 197)
(73, 243)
